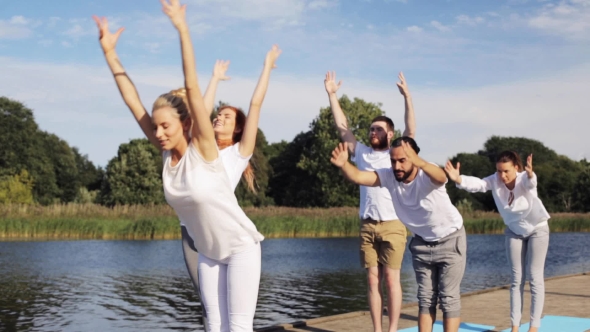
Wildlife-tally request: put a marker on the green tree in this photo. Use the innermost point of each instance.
(89, 176)
(23, 148)
(521, 145)
(16, 188)
(290, 185)
(474, 165)
(302, 174)
(134, 176)
(581, 190)
(63, 163)
(332, 189)
(261, 168)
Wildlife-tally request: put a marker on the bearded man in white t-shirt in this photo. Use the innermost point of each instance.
(383, 236)
(439, 244)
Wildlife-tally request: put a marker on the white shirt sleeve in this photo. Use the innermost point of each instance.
(473, 184)
(385, 177)
(359, 149)
(531, 183)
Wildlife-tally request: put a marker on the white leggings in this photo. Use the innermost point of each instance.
(229, 290)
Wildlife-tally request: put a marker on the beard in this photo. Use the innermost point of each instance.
(381, 143)
(404, 175)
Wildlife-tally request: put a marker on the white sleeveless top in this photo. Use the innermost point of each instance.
(201, 195)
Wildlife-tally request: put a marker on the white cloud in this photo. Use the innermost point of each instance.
(15, 28)
(45, 42)
(439, 26)
(81, 104)
(321, 4)
(52, 22)
(19, 20)
(471, 21)
(83, 27)
(414, 28)
(568, 18)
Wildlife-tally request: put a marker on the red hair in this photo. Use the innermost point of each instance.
(237, 137)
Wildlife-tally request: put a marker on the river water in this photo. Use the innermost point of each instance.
(144, 286)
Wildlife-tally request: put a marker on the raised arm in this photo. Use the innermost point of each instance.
(248, 141)
(108, 42)
(435, 173)
(409, 118)
(202, 131)
(530, 181)
(344, 131)
(469, 183)
(218, 75)
(350, 172)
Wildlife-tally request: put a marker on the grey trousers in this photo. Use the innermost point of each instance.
(529, 252)
(439, 268)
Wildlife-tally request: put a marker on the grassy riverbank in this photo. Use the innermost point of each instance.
(89, 221)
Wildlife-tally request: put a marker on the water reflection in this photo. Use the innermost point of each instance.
(143, 285)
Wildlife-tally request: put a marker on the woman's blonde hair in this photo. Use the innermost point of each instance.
(175, 99)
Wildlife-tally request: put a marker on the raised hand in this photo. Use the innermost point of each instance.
(412, 156)
(402, 85)
(219, 70)
(108, 40)
(272, 56)
(529, 166)
(453, 172)
(174, 11)
(330, 82)
(340, 155)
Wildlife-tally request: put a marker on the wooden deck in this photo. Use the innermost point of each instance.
(564, 296)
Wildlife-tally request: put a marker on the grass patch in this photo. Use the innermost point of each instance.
(90, 221)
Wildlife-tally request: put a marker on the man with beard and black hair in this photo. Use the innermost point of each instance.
(383, 236)
(439, 244)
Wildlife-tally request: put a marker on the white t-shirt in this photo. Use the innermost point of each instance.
(375, 201)
(526, 213)
(200, 193)
(423, 206)
(234, 163)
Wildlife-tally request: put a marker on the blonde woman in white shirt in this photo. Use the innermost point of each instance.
(197, 185)
(527, 231)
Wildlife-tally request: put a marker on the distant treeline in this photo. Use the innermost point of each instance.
(37, 167)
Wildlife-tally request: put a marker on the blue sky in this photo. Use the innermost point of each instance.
(475, 68)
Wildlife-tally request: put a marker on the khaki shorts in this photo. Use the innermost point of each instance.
(382, 243)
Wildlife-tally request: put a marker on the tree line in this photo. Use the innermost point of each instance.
(37, 167)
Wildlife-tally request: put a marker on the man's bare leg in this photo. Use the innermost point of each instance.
(451, 324)
(394, 296)
(374, 275)
(425, 322)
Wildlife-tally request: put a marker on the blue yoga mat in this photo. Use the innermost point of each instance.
(464, 327)
(560, 324)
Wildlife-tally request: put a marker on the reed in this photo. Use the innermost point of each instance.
(90, 221)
